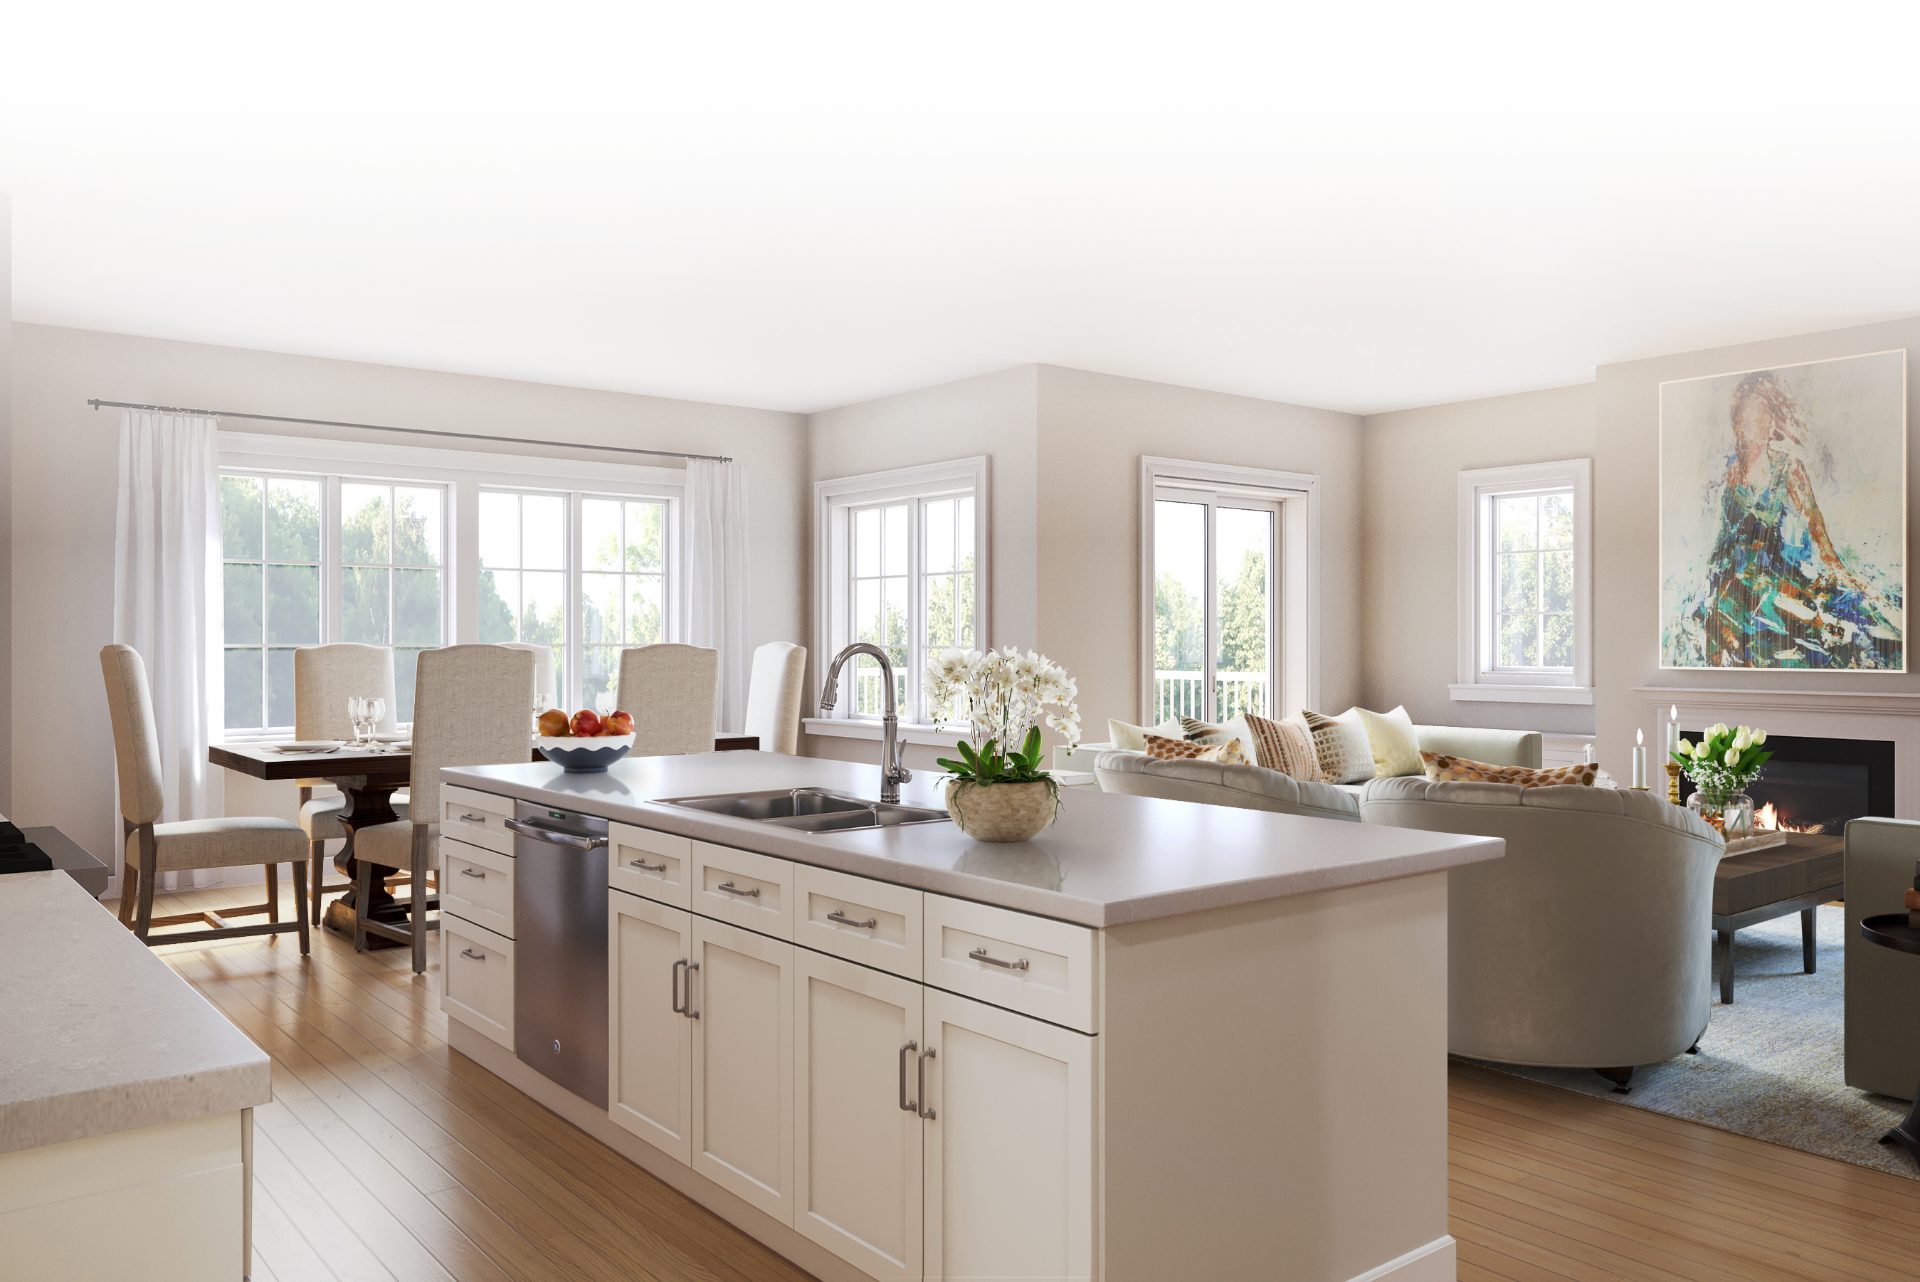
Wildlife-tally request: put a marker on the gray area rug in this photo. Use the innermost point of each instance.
(1770, 1065)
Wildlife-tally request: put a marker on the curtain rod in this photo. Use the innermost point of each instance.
(410, 431)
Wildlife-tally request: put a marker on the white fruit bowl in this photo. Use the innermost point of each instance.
(589, 756)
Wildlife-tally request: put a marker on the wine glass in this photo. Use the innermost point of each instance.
(376, 715)
(357, 715)
(603, 703)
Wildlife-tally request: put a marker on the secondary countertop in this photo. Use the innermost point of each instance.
(97, 1035)
(1107, 860)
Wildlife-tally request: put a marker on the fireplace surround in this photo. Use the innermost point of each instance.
(1817, 783)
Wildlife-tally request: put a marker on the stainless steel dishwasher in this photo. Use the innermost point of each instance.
(560, 947)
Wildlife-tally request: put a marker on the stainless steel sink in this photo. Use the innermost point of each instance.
(811, 810)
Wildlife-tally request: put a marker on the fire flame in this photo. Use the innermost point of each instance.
(1767, 819)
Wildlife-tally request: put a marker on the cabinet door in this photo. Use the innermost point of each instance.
(857, 1141)
(650, 1044)
(1009, 1151)
(743, 1064)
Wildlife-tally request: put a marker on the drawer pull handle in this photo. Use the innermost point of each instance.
(644, 866)
(870, 923)
(679, 1006)
(921, 1081)
(473, 819)
(687, 1008)
(473, 872)
(728, 887)
(468, 952)
(907, 1105)
(981, 955)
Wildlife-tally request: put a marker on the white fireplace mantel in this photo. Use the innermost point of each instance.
(1843, 702)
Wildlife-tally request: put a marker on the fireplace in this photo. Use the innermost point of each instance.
(1817, 784)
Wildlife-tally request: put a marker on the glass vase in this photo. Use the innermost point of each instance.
(1729, 812)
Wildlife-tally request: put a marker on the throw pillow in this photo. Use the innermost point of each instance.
(1132, 738)
(1340, 745)
(1202, 732)
(1453, 769)
(1286, 746)
(1165, 749)
(1391, 739)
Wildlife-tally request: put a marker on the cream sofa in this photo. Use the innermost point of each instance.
(1883, 986)
(1587, 945)
(1255, 788)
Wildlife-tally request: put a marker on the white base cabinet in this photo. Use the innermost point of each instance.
(649, 1035)
(741, 994)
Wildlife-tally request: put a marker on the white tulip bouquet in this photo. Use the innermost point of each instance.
(1006, 696)
(1725, 760)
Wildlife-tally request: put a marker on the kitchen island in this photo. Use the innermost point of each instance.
(1158, 1041)
(126, 1102)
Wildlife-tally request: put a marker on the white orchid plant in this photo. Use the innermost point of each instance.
(1724, 760)
(1007, 696)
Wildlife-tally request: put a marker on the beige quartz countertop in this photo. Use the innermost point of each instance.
(97, 1035)
(1107, 860)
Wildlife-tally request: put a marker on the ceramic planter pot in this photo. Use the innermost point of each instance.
(1001, 811)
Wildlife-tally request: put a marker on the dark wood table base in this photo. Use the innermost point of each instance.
(1803, 872)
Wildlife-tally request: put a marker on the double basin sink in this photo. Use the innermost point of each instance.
(811, 810)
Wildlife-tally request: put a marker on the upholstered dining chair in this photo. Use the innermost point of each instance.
(672, 691)
(324, 677)
(774, 693)
(152, 847)
(543, 686)
(471, 707)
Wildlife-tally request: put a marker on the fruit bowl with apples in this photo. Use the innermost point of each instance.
(585, 743)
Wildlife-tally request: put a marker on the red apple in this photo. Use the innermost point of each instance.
(617, 723)
(586, 723)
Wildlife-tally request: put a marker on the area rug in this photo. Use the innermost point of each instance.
(1770, 1065)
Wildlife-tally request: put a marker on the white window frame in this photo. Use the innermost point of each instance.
(1294, 633)
(329, 594)
(1478, 679)
(463, 473)
(834, 502)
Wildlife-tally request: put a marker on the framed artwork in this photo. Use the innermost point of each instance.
(1783, 517)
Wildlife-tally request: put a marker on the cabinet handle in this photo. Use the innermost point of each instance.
(473, 872)
(981, 955)
(673, 984)
(689, 1011)
(869, 924)
(906, 1105)
(731, 889)
(644, 866)
(473, 819)
(921, 1081)
(468, 952)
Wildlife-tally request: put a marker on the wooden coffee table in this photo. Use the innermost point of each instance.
(1799, 875)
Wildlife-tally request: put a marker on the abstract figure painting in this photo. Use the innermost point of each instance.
(1783, 530)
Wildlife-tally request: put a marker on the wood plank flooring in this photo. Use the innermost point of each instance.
(388, 1158)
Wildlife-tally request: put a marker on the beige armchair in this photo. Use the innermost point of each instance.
(1589, 945)
(773, 696)
(471, 707)
(153, 847)
(672, 692)
(1882, 995)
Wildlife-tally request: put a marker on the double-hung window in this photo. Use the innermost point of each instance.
(623, 601)
(392, 589)
(1525, 574)
(903, 567)
(523, 540)
(271, 585)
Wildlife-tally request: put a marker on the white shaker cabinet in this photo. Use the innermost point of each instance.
(857, 1125)
(650, 1036)
(741, 995)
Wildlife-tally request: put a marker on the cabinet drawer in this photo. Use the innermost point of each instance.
(744, 888)
(476, 978)
(864, 921)
(476, 885)
(477, 818)
(653, 864)
(1033, 965)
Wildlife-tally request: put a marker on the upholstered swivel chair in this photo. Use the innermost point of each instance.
(672, 691)
(153, 847)
(774, 694)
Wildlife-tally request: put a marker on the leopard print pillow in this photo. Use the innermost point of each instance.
(1227, 754)
(1445, 769)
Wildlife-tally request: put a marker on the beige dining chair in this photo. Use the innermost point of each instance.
(543, 691)
(151, 847)
(324, 677)
(672, 691)
(470, 708)
(774, 693)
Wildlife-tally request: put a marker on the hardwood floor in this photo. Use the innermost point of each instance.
(385, 1156)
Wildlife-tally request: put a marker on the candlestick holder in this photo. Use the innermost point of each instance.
(1673, 782)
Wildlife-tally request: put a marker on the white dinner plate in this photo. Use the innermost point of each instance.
(308, 745)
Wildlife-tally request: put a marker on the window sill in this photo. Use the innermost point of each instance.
(843, 728)
(1490, 693)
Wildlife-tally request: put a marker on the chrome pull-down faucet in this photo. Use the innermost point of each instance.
(892, 772)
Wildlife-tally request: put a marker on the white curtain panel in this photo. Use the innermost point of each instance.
(713, 577)
(166, 597)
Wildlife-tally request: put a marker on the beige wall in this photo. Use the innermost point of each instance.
(1411, 461)
(65, 463)
(1094, 428)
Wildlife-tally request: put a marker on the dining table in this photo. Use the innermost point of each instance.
(367, 775)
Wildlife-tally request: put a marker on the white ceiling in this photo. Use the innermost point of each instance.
(1369, 236)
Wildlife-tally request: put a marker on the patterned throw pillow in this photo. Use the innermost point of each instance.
(1198, 731)
(1227, 753)
(1454, 769)
(1286, 746)
(1341, 747)
(1132, 738)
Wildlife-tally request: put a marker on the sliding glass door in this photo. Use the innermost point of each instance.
(1214, 603)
